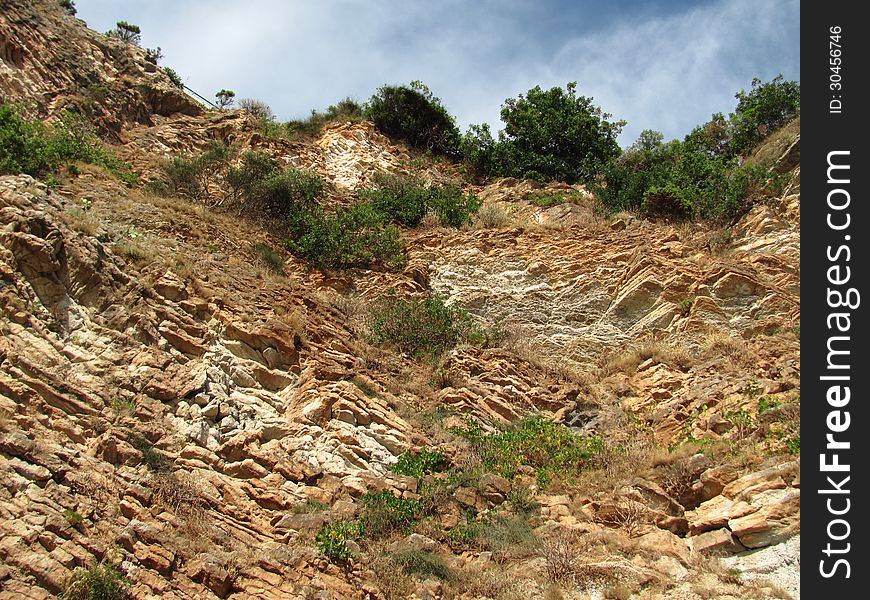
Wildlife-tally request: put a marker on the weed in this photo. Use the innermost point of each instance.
(332, 539)
(423, 564)
(273, 260)
(98, 582)
(419, 464)
(383, 513)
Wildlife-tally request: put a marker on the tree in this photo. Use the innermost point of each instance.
(127, 32)
(225, 98)
(766, 107)
(549, 135)
(414, 115)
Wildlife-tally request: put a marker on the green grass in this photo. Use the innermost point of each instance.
(552, 449)
(272, 259)
(419, 464)
(423, 564)
(383, 514)
(98, 582)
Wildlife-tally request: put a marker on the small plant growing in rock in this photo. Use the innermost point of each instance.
(73, 518)
(421, 463)
(174, 77)
(332, 539)
(155, 460)
(225, 98)
(153, 55)
(101, 581)
(383, 513)
(273, 260)
(423, 564)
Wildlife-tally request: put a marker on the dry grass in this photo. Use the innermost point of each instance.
(82, 221)
(628, 359)
(491, 216)
(720, 343)
(133, 250)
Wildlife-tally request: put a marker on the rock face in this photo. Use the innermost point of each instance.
(51, 60)
(171, 407)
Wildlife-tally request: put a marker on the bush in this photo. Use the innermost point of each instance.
(550, 448)
(281, 193)
(38, 149)
(153, 55)
(383, 513)
(548, 135)
(333, 537)
(69, 6)
(765, 108)
(683, 180)
(419, 464)
(414, 115)
(225, 98)
(257, 109)
(195, 176)
(174, 77)
(344, 110)
(99, 582)
(273, 260)
(422, 328)
(405, 200)
(349, 237)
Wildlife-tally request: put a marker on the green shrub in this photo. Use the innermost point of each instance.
(405, 200)
(98, 582)
(225, 98)
(414, 115)
(155, 460)
(422, 328)
(548, 135)
(195, 177)
(550, 448)
(765, 108)
(383, 513)
(174, 77)
(73, 518)
(333, 537)
(423, 564)
(69, 6)
(282, 193)
(38, 149)
(153, 55)
(350, 237)
(419, 464)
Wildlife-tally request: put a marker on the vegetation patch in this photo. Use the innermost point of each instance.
(405, 200)
(422, 328)
(423, 564)
(98, 582)
(40, 149)
(383, 514)
(420, 463)
(551, 449)
(332, 539)
(414, 115)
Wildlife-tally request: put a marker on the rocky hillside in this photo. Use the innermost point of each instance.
(186, 416)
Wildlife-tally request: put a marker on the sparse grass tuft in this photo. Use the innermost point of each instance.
(98, 582)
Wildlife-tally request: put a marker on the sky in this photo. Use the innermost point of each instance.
(662, 64)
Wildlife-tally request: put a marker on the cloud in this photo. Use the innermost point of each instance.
(668, 67)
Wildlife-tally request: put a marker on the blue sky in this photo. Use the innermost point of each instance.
(665, 65)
